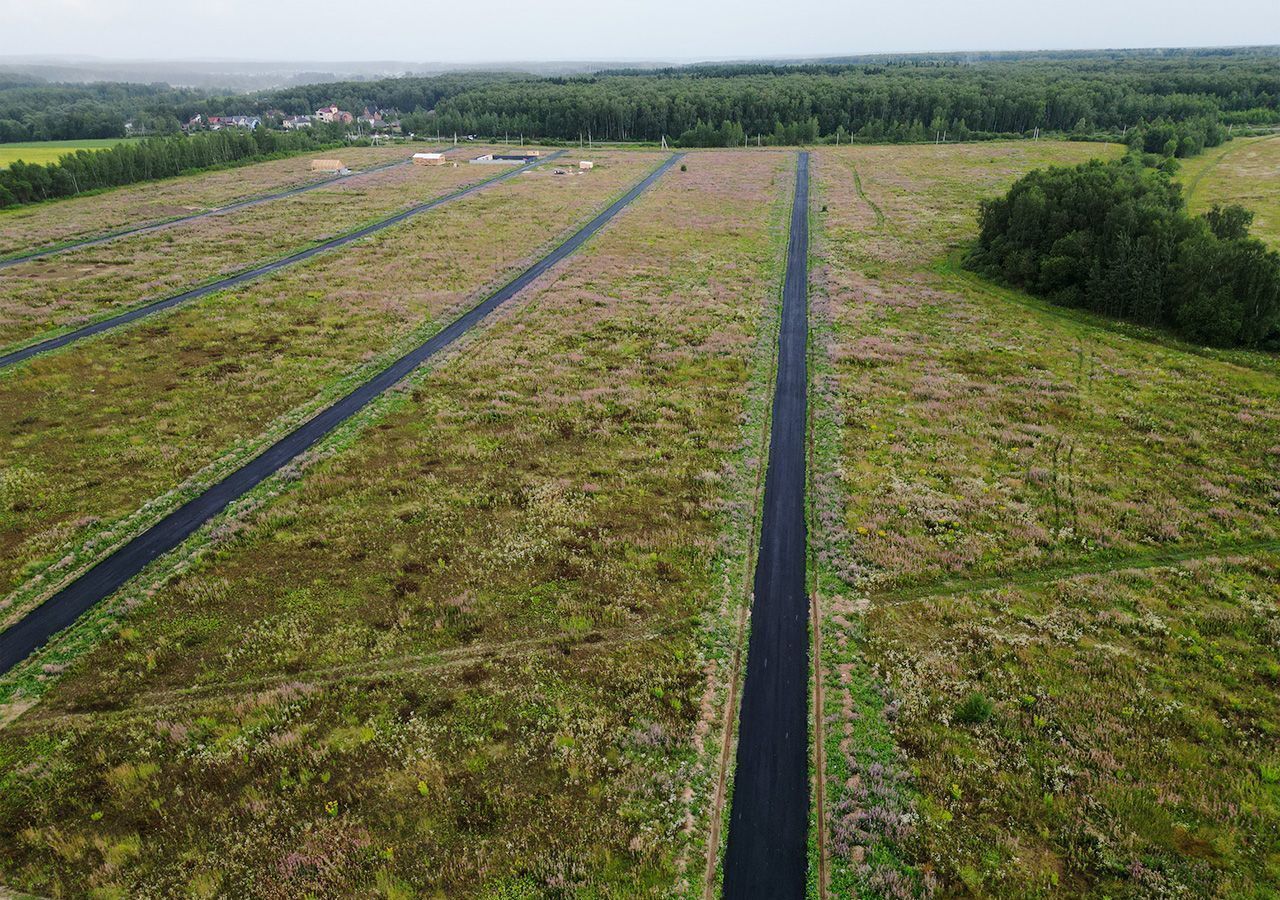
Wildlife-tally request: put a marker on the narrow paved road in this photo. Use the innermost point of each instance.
(222, 284)
(169, 223)
(64, 607)
(769, 824)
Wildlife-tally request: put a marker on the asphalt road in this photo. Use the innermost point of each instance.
(64, 607)
(769, 822)
(222, 284)
(169, 223)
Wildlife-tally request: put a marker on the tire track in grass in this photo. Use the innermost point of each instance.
(222, 284)
(857, 186)
(167, 701)
(63, 608)
(769, 823)
(43, 252)
(1160, 558)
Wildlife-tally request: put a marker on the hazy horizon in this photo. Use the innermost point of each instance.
(240, 32)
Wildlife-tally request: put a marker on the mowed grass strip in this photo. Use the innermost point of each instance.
(51, 224)
(987, 435)
(96, 431)
(74, 288)
(560, 479)
(1244, 171)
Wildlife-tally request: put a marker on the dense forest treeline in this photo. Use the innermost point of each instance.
(145, 160)
(1115, 238)
(967, 96)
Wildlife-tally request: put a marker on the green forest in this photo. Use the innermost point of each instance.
(1194, 95)
(1115, 238)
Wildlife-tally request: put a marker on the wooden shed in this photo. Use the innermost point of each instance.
(428, 159)
(586, 164)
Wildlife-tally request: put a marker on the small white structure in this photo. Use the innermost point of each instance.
(428, 159)
(586, 164)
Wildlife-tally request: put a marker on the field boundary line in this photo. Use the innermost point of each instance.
(38, 346)
(56, 249)
(62, 609)
(1157, 559)
(389, 667)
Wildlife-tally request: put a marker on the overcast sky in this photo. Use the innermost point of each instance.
(452, 31)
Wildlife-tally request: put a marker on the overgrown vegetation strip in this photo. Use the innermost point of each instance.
(103, 579)
(768, 828)
(41, 253)
(124, 318)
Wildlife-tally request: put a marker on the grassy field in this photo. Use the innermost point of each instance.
(94, 432)
(1244, 171)
(1047, 557)
(50, 224)
(78, 286)
(476, 651)
(40, 152)
(484, 641)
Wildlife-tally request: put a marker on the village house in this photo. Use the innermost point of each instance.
(333, 114)
(289, 123)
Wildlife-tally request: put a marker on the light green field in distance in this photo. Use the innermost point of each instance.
(50, 151)
(1244, 171)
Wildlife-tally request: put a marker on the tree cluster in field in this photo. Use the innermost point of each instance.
(961, 97)
(1115, 238)
(145, 160)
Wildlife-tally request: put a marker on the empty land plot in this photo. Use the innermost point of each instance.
(1244, 171)
(70, 289)
(990, 440)
(94, 432)
(76, 218)
(467, 653)
(1124, 737)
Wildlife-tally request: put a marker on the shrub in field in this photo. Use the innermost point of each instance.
(1115, 238)
(974, 710)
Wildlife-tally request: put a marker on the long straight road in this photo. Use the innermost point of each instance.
(768, 827)
(42, 252)
(64, 607)
(147, 309)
